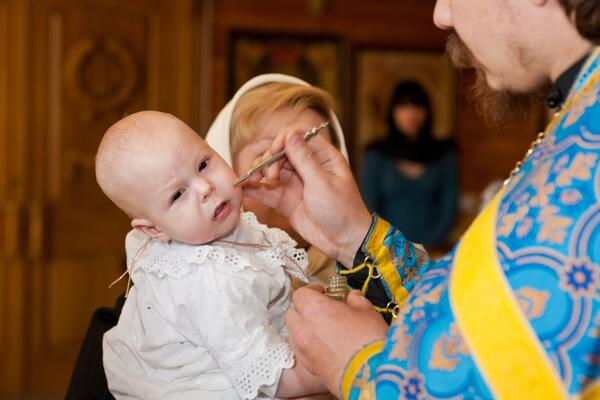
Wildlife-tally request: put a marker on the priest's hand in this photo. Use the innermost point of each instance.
(314, 188)
(326, 333)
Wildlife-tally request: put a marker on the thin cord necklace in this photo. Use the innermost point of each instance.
(145, 244)
(136, 257)
(244, 244)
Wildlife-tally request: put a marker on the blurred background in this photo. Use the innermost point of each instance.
(70, 68)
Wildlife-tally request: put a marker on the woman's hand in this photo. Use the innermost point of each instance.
(326, 333)
(314, 188)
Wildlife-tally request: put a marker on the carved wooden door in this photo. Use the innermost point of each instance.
(90, 66)
(12, 202)
(75, 67)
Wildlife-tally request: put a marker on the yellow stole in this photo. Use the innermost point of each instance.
(502, 342)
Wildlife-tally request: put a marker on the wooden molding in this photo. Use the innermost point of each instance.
(204, 63)
(13, 67)
(54, 105)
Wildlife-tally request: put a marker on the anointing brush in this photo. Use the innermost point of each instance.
(312, 132)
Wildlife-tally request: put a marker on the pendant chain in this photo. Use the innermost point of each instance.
(557, 117)
(540, 138)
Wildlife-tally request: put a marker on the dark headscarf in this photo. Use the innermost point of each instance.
(398, 145)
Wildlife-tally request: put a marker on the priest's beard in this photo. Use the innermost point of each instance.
(497, 107)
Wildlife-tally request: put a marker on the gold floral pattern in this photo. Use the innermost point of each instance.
(447, 350)
(560, 163)
(579, 108)
(532, 301)
(543, 194)
(432, 296)
(553, 227)
(525, 227)
(367, 392)
(510, 220)
(367, 389)
(409, 274)
(580, 169)
(544, 184)
(570, 197)
(543, 189)
(401, 340)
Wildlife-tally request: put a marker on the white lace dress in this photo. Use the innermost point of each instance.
(204, 322)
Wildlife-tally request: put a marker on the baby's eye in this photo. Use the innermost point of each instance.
(176, 196)
(203, 165)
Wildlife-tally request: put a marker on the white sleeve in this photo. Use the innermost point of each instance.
(230, 314)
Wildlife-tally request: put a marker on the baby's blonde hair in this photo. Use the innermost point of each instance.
(265, 99)
(118, 144)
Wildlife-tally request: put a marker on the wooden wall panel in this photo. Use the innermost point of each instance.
(13, 36)
(93, 62)
(69, 69)
(380, 23)
(91, 68)
(377, 24)
(3, 178)
(88, 285)
(3, 97)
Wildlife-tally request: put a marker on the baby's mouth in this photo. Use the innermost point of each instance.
(222, 210)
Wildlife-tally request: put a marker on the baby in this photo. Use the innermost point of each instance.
(205, 318)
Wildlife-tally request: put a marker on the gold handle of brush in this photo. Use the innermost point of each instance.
(309, 134)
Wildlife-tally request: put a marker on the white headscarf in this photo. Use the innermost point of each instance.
(219, 132)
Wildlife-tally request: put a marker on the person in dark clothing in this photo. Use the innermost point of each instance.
(88, 380)
(410, 178)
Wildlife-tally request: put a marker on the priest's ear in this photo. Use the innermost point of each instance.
(148, 228)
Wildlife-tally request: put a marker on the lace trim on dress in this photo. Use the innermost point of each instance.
(180, 259)
(262, 370)
(176, 260)
(283, 251)
(273, 235)
(295, 261)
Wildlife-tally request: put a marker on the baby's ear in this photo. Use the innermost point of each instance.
(149, 229)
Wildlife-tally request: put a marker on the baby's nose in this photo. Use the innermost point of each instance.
(204, 188)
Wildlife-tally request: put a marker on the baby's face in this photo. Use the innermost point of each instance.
(184, 188)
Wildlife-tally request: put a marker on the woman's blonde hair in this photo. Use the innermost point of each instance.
(265, 99)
